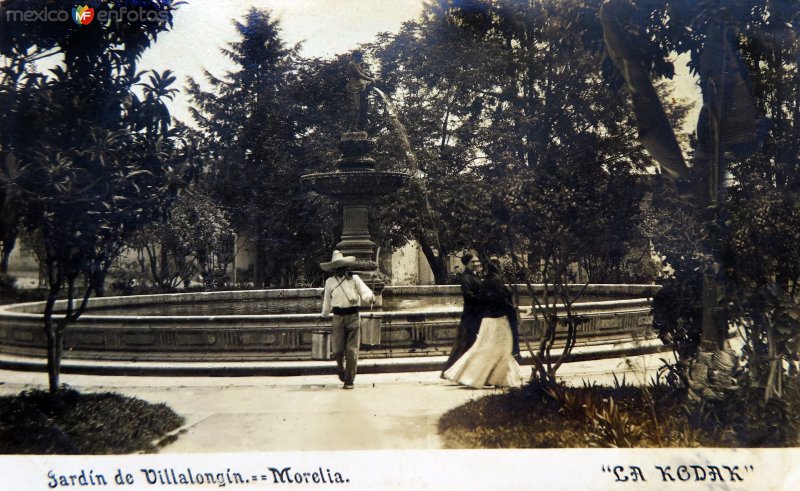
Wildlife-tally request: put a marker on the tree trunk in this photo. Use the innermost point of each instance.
(436, 262)
(163, 267)
(42, 281)
(9, 241)
(714, 321)
(53, 353)
(99, 283)
(53, 362)
(258, 264)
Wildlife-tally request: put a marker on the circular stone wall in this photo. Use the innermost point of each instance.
(111, 328)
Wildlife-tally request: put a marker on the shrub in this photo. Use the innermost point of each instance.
(68, 422)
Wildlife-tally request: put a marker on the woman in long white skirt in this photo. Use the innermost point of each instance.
(489, 361)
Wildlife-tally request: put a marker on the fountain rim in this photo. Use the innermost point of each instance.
(12, 311)
(369, 172)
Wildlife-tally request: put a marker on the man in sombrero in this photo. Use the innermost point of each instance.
(344, 292)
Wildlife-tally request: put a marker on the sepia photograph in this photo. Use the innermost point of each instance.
(399, 244)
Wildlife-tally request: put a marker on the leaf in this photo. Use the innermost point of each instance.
(137, 173)
(655, 131)
(729, 122)
(11, 168)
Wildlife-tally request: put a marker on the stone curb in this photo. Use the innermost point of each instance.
(288, 369)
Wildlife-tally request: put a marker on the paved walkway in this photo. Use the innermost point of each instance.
(312, 412)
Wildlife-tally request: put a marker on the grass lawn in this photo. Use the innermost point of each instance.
(622, 416)
(68, 422)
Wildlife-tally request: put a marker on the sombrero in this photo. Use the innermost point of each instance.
(338, 261)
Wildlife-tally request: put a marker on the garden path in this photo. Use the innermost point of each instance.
(312, 412)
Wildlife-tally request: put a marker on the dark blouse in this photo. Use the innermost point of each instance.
(470, 288)
(496, 297)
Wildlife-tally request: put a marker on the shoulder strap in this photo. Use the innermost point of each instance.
(340, 285)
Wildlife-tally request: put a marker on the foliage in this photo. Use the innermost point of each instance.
(67, 422)
(764, 200)
(748, 267)
(513, 154)
(10, 293)
(195, 238)
(615, 426)
(771, 320)
(514, 151)
(96, 162)
(435, 84)
(677, 312)
(600, 416)
(8, 286)
(580, 406)
(517, 419)
(550, 216)
(486, 94)
(744, 419)
(567, 173)
(256, 129)
(498, 96)
(673, 229)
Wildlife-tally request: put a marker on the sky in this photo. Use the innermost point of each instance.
(325, 28)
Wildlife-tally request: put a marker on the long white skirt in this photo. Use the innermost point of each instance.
(489, 360)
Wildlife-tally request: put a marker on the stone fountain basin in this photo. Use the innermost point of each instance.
(345, 183)
(424, 324)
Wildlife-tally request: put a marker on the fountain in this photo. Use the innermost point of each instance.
(355, 183)
(206, 327)
(418, 321)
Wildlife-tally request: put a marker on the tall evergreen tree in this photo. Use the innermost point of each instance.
(254, 124)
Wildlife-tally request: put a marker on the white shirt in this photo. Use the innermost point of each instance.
(345, 292)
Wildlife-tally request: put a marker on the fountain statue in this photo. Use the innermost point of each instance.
(357, 85)
(354, 182)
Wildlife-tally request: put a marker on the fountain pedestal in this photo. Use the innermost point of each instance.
(356, 185)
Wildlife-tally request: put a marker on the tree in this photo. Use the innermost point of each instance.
(489, 91)
(727, 42)
(195, 237)
(254, 126)
(523, 147)
(764, 201)
(102, 163)
(432, 69)
(19, 122)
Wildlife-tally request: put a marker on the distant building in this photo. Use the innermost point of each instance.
(406, 265)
